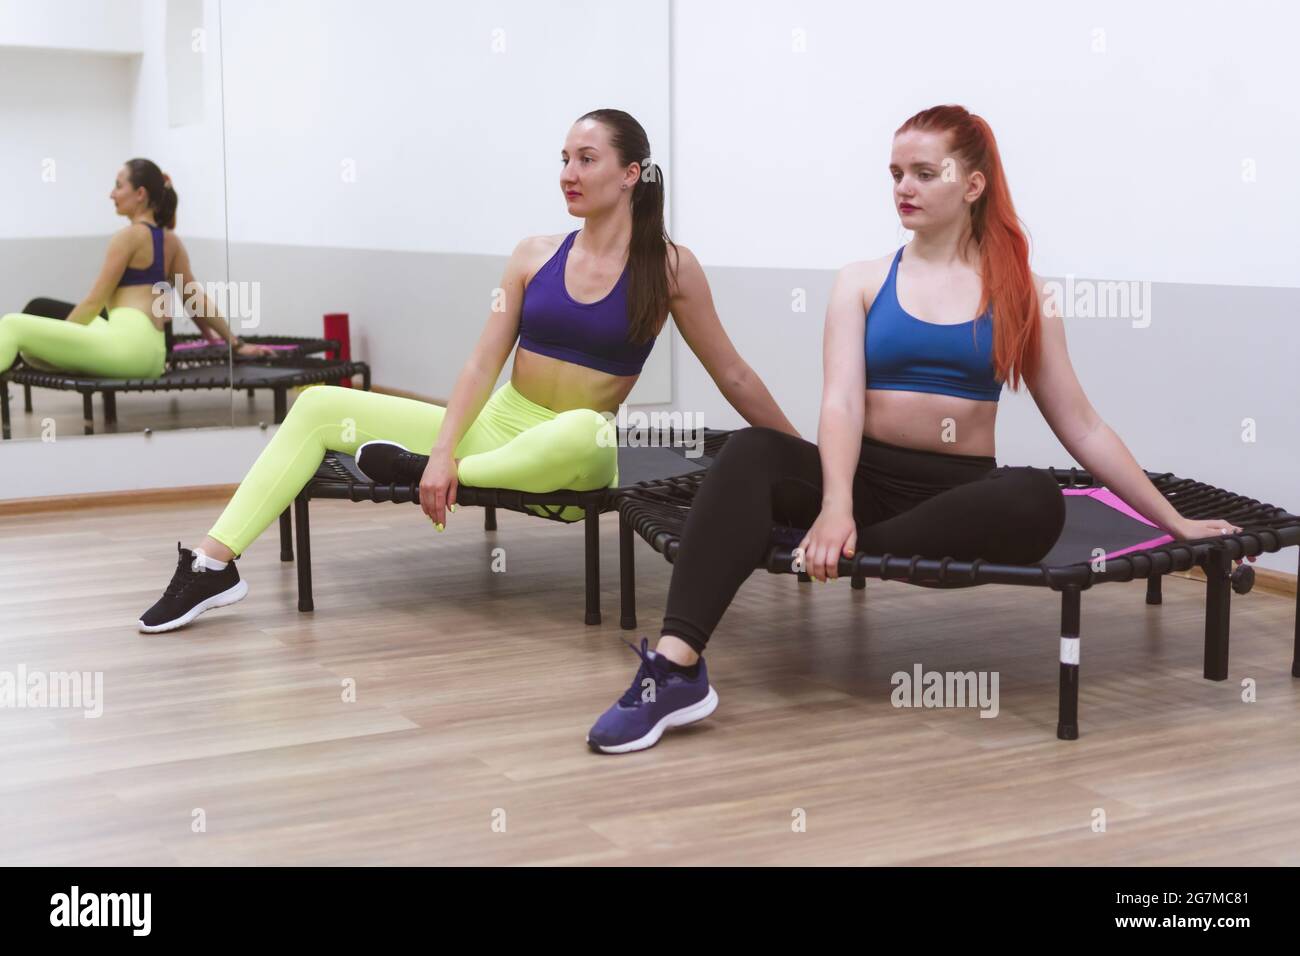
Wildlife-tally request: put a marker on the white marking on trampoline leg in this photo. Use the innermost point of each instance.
(1069, 650)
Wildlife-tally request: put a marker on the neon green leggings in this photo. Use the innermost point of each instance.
(514, 443)
(125, 345)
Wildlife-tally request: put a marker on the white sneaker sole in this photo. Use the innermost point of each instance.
(229, 596)
(678, 718)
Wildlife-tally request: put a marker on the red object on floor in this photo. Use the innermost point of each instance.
(336, 328)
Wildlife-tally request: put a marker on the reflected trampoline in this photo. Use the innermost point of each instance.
(249, 376)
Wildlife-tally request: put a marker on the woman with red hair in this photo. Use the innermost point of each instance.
(904, 462)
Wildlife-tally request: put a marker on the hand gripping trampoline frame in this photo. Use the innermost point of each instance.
(656, 511)
(276, 377)
(339, 478)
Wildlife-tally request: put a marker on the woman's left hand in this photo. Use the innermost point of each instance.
(253, 351)
(1189, 529)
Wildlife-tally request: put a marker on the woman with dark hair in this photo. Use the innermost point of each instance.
(585, 309)
(141, 260)
(904, 462)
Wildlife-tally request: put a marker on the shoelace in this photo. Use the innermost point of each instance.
(648, 668)
(184, 576)
(409, 465)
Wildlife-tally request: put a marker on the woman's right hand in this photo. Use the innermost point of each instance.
(833, 534)
(438, 488)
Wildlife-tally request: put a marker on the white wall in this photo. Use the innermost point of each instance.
(85, 88)
(66, 132)
(1125, 163)
(191, 154)
(455, 147)
(86, 464)
(106, 26)
(418, 127)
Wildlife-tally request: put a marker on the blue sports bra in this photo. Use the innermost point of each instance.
(156, 271)
(907, 354)
(591, 334)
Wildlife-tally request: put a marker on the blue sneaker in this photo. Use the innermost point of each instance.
(660, 697)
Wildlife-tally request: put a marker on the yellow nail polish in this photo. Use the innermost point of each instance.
(453, 509)
(438, 526)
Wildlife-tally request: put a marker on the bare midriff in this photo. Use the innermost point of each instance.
(138, 297)
(940, 423)
(561, 386)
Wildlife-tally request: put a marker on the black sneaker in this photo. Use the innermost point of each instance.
(388, 463)
(194, 589)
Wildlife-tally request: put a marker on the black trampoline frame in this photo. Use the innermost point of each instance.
(656, 510)
(334, 480)
(313, 371)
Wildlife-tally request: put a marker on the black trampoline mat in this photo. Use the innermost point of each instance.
(634, 465)
(1096, 519)
(246, 376)
(650, 464)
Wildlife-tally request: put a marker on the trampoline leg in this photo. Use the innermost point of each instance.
(1218, 595)
(626, 575)
(110, 411)
(858, 581)
(286, 535)
(490, 518)
(365, 379)
(591, 526)
(804, 577)
(1295, 653)
(1154, 594)
(4, 410)
(252, 393)
(304, 554)
(280, 404)
(88, 413)
(1067, 720)
(27, 398)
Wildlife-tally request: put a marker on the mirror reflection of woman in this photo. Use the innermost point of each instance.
(585, 309)
(142, 258)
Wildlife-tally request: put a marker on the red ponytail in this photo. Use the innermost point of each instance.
(995, 229)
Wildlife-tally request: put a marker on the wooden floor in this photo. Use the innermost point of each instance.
(474, 691)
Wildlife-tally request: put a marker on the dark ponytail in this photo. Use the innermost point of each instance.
(648, 293)
(145, 174)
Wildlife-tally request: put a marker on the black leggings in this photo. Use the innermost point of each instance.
(905, 501)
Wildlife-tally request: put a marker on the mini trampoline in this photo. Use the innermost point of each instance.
(339, 478)
(276, 377)
(1103, 540)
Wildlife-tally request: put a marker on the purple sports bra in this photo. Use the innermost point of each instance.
(591, 334)
(153, 273)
